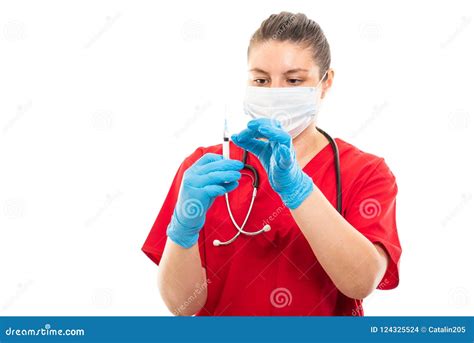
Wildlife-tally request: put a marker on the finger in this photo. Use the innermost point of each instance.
(218, 190)
(246, 139)
(270, 129)
(215, 178)
(254, 123)
(221, 165)
(214, 190)
(275, 134)
(207, 158)
(229, 187)
(283, 156)
(246, 134)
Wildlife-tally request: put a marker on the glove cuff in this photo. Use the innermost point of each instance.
(294, 198)
(181, 235)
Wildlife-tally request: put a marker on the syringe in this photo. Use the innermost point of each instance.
(225, 143)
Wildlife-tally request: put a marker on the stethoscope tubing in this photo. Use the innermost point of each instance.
(255, 183)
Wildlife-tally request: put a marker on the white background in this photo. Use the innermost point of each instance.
(100, 101)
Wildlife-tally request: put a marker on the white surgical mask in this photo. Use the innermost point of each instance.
(294, 107)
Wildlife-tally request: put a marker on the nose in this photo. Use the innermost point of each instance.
(277, 81)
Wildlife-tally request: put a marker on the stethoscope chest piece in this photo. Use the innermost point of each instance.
(240, 228)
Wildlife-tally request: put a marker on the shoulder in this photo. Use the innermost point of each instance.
(362, 165)
(365, 177)
(201, 151)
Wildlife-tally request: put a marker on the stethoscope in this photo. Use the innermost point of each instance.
(255, 183)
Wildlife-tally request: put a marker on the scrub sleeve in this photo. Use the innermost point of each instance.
(372, 212)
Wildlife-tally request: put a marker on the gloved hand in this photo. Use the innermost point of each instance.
(278, 158)
(207, 178)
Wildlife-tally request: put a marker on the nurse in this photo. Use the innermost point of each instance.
(314, 260)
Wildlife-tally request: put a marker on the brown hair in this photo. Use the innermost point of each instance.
(297, 28)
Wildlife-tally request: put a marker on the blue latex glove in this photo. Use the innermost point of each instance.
(208, 178)
(278, 158)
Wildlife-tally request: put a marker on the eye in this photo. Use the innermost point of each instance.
(294, 81)
(260, 82)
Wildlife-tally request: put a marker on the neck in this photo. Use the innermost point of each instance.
(308, 143)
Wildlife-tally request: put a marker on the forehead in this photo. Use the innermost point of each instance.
(276, 56)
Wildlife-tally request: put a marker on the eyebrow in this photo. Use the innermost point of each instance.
(258, 70)
(291, 71)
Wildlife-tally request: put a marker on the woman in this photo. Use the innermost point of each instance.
(314, 260)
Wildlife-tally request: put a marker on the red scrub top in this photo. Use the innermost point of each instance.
(276, 273)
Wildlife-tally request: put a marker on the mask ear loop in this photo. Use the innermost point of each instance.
(322, 79)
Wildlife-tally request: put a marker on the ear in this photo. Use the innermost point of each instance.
(326, 85)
